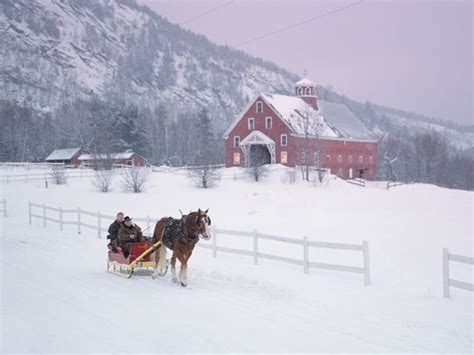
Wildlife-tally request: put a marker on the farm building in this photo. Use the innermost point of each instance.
(300, 129)
(124, 158)
(67, 156)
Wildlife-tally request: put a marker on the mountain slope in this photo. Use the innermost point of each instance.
(53, 51)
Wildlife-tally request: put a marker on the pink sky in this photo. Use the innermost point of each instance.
(413, 55)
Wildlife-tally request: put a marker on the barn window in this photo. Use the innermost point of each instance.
(328, 158)
(251, 123)
(371, 159)
(308, 91)
(350, 158)
(283, 140)
(259, 106)
(300, 91)
(339, 158)
(361, 159)
(268, 123)
(236, 158)
(236, 141)
(284, 157)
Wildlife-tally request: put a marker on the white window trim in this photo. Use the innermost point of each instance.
(350, 158)
(259, 103)
(251, 119)
(238, 138)
(339, 158)
(286, 140)
(328, 158)
(268, 119)
(361, 159)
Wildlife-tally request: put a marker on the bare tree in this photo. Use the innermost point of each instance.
(311, 125)
(57, 174)
(135, 178)
(102, 180)
(256, 171)
(204, 176)
(203, 173)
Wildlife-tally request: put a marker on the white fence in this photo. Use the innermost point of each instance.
(28, 165)
(356, 181)
(3, 207)
(447, 281)
(45, 176)
(77, 218)
(305, 244)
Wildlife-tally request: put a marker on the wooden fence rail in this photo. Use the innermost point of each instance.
(60, 217)
(447, 281)
(3, 210)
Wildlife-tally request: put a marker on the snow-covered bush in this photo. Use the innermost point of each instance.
(135, 178)
(102, 180)
(57, 175)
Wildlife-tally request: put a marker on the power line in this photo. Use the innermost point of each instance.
(206, 12)
(299, 23)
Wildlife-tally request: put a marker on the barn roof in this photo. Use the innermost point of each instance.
(343, 121)
(114, 156)
(293, 111)
(305, 82)
(333, 120)
(63, 154)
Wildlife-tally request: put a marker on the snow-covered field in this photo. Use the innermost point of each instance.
(57, 297)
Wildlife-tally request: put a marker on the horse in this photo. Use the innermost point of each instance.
(180, 235)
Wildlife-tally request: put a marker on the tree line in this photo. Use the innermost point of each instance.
(177, 136)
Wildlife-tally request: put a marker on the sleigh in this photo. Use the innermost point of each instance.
(140, 258)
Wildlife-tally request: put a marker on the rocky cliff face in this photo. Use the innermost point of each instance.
(55, 50)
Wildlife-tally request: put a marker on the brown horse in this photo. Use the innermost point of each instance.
(180, 235)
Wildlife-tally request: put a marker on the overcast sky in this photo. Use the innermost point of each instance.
(414, 55)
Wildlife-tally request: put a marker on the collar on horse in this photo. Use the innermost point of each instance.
(181, 232)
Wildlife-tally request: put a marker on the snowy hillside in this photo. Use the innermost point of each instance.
(52, 51)
(56, 291)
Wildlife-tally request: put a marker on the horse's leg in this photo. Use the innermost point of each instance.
(183, 272)
(173, 267)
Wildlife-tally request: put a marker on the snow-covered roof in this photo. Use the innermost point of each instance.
(256, 137)
(331, 120)
(63, 154)
(305, 82)
(343, 120)
(115, 156)
(294, 111)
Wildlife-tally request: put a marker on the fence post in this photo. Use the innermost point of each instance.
(98, 224)
(305, 255)
(445, 273)
(60, 218)
(214, 243)
(366, 263)
(29, 212)
(255, 247)
(78, 220)
(44, 215)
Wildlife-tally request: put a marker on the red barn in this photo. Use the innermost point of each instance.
(124, 158)
(67, 156)
(300, 129)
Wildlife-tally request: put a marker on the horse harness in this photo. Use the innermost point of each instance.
(181, 233)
